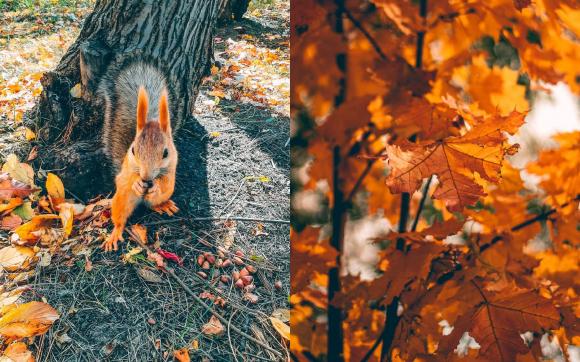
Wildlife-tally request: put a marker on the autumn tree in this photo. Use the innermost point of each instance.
(403, 110)
(174, 35)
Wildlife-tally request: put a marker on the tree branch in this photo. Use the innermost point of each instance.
(357, 24)
(422, 203)
(335, 314)
(392, 319)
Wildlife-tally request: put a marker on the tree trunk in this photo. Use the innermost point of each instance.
(175, 36)
(232, 10)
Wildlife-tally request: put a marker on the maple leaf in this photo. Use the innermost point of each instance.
(27, 320)
(454, 160)
(497, 321)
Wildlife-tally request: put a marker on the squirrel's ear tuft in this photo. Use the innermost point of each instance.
(142, 107)
(164, 112)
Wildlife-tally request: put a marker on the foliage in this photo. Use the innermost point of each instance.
(404, 110)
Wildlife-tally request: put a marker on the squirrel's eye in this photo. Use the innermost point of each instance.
(165, 153)
(133, 150)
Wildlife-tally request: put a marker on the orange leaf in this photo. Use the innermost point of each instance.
(18, 352)
(181, 355)
(27, 320)
(26, 231)
(454, 160)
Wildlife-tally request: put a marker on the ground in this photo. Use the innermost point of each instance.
(234, 162)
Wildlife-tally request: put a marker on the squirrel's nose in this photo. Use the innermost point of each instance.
(148, 183)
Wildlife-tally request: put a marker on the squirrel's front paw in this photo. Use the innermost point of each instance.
(139, 187)
(111, 242)
(167, 207)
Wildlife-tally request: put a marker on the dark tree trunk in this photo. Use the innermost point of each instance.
(174, 35)
(232, 10)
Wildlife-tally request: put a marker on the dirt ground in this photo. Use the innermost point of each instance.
(233, 190)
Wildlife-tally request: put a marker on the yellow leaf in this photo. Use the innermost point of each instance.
(26, 231)
(27, 320)
(29, 134)
(214, 70)
(281, 327)
(75, 91)
(128, 257)
(18, 171)
(215, 134)
(11, 205)
(55, 188)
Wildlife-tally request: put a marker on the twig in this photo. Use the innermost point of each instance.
(235, 195)
(392, 319)
(422, 203)
(240, 218)
(335, 335)
(198, 300)
(367, 35)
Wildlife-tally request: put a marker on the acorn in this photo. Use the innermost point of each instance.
(239, 284)
(205, 265)
(250, 288)
(202, 274)
(226, 263)
(221, 254)
(278, 285)
(236, 275)
(219, 263)
(247, 279)
(210, 258)
(238, 261)
(226, 279)
(244, 272)
(200, 259)
(252, 269)
(239, 253)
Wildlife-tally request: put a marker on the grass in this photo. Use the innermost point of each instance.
(41, 5)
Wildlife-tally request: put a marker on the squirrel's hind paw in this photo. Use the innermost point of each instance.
(167, 207)
(111, 242)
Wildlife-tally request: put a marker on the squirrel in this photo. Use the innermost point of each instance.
(138, 138)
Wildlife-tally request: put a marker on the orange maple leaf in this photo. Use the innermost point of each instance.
(454, 160)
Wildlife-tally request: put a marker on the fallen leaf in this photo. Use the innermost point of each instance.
(10, 205)
(149, 275)
(157, 259)
(170, 256)
(181, 355)
(10, 187)
(13, 258)
(213, 328)
(140, 232)
(25, 211)
(66, 215)
(281, 327)
(17, 352)
(282, 314)
(55, 189)
(27, 320)
(75, 91)
(29, 134)
(28, 230)
(128, 257)
(19, 171)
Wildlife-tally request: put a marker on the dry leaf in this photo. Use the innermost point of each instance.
(281, 327)
(181, 355)
(149, 275)
(55, 189)
(13, 258)
(29, 231)
(18, 352)
(27, 320)
(140, 232)
(213, 328)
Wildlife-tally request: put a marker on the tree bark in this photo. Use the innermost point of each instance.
(173, 35)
